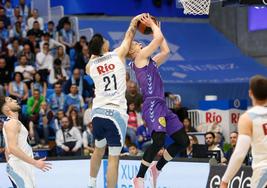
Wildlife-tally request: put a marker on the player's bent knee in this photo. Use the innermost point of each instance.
(114, 150)
(100, 143)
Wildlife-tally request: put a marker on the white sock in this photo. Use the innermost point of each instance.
(92, 181)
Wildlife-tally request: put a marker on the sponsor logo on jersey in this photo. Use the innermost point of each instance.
(105, 69)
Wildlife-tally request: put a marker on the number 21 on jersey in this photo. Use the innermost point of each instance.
(110, 82)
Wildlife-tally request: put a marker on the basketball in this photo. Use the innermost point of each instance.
(143, 28)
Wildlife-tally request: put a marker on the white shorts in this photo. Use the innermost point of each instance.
(109, 128)
(21, 173)
(259, 178)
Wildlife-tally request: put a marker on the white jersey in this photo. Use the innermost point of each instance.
(20, 172)
(258, 115)
(22, 141)
(109, 75)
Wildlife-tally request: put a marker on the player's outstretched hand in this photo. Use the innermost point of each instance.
(223, 185)
(139, 16)
(42, 165)
(147, 20)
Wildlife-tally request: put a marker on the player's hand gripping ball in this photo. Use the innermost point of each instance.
(144, 29)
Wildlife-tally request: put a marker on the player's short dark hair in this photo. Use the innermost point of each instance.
(2, 103)
(258, 87)
(211, 133)
(95, 44)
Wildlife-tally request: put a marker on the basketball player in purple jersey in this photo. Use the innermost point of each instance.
(159, 119)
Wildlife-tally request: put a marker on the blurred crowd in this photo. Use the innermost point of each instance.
(42, 66)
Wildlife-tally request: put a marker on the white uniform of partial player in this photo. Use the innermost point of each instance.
(258, 115)
(20, 172)
(109, 75)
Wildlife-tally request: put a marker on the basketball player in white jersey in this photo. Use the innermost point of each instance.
(252, 128)
(19, 154)
(109, 111)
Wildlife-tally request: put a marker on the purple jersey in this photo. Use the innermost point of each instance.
(149, 80)
(155, 111)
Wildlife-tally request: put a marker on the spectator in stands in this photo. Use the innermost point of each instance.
(85, 89)
(82, 58)
(4, 33)
(143, 137)
(65, 59)
(5, 74)
(27, 51)
(11, 58)
(34, 103)
(24, 9)
(35, 18)
(88, 140)
(28, 71)
(133, 96)
(188, 153)
(53, 44)
(57, 74)
(79, 45)
(133, 151)
(52, 30)
(15, 16)
(67, 36)
(57, 120)
(219, 139)
(44, 62)
(14, 47)
(75, 120)
(36, 31)
(74, 101)
(33, 42)
(39, 83)
(45, 118)
(68, 139)
(210, 141)
(39, 126)
(57, 99)
(178, 109)
(4, 18)
(18, 89)
(2, 141)
(134, 121)
(187, 125)
(233, 141)
(8, 8)
(17, 31)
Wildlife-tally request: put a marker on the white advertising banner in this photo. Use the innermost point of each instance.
(75, 173)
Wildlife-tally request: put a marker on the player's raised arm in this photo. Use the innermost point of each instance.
(129, 35)
(241, 149)
(157, 38)
(164, 52)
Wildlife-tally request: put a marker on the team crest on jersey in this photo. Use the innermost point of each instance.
(105, 69)
(162, 121)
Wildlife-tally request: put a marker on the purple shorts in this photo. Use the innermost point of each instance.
(159, 118)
